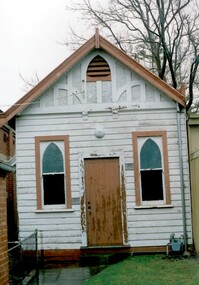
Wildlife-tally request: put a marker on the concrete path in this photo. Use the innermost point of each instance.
(65, 276)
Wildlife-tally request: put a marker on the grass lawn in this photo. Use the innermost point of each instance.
(148, 270)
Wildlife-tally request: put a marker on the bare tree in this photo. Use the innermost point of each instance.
(162, 34)
(31, 82)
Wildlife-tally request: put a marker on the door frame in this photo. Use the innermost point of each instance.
(120, 156)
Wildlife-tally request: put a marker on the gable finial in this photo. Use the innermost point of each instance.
(97, 41)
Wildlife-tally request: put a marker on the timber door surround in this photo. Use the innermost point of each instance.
(103, 202)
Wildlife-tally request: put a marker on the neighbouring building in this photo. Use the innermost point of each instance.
(7, 197)
(4, 263)
(193, 131)
(4, 271)
(7, 156)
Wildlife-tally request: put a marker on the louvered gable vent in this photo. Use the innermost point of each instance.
(98, 70)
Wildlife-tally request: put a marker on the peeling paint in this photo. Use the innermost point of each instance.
(83, 214)
(136, 106)
(123, 192)
(93, 154)
(107, 155)
(119, 108)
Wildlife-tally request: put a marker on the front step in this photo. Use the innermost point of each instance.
(102, 258)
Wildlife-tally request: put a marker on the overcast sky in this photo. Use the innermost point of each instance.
(29, 32)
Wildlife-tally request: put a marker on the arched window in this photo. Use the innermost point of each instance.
(151, 170)
(53, 176)
(98, 70)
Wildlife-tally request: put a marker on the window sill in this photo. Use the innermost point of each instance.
(153, 206)
(54, 211)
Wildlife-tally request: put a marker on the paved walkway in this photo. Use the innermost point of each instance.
(62, 276)
(65, 276)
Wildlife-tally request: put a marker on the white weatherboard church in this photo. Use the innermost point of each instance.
(102, 160)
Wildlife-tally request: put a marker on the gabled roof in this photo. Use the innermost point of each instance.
(96, 42)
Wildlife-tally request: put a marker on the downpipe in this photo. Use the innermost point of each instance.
(182, 179)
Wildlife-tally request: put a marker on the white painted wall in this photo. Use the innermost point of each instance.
(78, 118)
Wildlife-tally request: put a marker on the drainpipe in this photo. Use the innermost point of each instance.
(182, 178)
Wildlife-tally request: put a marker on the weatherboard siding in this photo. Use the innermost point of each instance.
(74, 107)
(62, 230)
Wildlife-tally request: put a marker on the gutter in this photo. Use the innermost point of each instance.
(182, 178)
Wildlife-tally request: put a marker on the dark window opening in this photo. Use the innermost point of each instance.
(151, 182)
(53, 185)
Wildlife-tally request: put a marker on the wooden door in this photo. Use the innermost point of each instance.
(103, 202)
